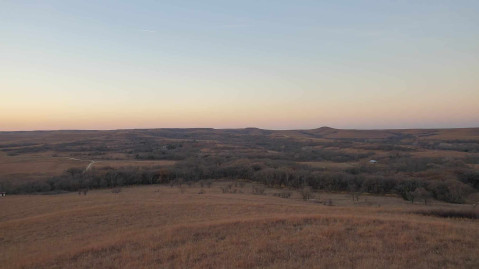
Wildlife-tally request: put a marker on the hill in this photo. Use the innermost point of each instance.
(195, 227)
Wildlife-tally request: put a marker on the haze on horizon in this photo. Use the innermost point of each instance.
(265, 64)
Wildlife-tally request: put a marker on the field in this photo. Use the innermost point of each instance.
(240, 198)
(194, 227)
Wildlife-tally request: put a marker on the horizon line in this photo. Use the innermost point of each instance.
(239, 128)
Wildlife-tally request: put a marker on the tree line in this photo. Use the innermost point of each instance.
(272, 173)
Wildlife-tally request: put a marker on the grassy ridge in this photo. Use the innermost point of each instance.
(152, 227)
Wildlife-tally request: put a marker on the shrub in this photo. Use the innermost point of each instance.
(450, 213)
(421, 193)
(259, 190)
(306, 193)
(116, 190)
(406, 187)
(450, 191)
(284, 194)
(469, 177)
(227, 188)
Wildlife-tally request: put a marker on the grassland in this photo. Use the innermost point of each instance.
(416, 207)
(171, 227)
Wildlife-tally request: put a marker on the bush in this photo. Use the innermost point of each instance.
(284, 194)
(329, 202)
(259, 190)
(421, 193)
(227, 188)
(450, 191)
(306, 193)
(116, 190)
(450, 213)
(406, 187)
(469, 177)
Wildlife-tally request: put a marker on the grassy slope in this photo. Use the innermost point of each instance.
(158, 227)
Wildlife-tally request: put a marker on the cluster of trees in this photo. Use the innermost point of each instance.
(454, 145)
(273, 173)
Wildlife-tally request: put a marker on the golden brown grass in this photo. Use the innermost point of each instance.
(132, 163)
(331, 165)
(159, 227)
(33, 166)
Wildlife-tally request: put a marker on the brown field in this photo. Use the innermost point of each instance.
(36, 166)
(332, 165)
(160, 227)
(132, 163)
(176, 221)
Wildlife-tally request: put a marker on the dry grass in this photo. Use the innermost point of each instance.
(158, 227)
(331, 165)
(36, 166)
(459, 133)
(133, 163)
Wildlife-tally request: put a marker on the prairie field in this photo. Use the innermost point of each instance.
(240, 198)
(194, 227)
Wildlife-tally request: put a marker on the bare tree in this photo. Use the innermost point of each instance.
(355, 191)
(306, 193)
(182, 188)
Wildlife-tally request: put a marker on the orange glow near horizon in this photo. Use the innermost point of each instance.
(276, 114)
(80, 66)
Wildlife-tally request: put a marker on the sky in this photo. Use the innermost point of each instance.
(234, 64)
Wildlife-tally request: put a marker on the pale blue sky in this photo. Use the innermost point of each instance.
(269, 64)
